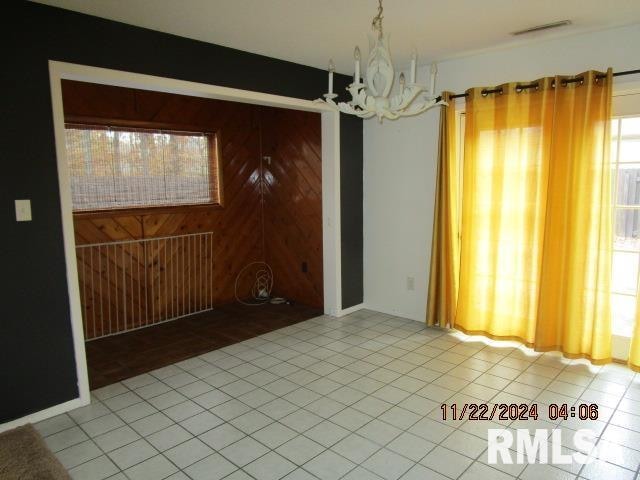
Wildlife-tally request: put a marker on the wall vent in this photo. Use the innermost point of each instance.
(546, 26)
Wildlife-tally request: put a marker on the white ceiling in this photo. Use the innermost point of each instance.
(311, 31)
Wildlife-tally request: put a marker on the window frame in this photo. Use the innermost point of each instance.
(215, 161)
(615, 163)
(623, 108)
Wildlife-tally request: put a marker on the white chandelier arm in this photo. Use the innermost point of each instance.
(404, 99)
(423, 107)
(390, 115)
(358, 95)
(345, 107)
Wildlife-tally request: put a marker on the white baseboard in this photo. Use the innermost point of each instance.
(395, 313)
(46, 413)
(347, 311)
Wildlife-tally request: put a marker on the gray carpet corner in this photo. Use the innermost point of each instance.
(25, 456)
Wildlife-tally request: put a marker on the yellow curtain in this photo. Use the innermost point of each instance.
(536, 216)
(634, 353)
(445, 249)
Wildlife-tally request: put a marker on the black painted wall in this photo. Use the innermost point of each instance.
(37, 361)
(351, 210)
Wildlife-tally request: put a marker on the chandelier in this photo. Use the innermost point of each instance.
(372, 98)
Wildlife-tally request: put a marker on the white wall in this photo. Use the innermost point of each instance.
(399, 158)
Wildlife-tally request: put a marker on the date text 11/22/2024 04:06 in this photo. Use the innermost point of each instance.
(514, 411)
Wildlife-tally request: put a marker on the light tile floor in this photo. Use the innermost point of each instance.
(354, 398)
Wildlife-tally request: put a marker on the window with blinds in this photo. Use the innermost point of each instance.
(121, 168)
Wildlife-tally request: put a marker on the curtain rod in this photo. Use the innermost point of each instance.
(535, 84)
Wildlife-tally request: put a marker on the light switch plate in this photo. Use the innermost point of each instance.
(23, 210)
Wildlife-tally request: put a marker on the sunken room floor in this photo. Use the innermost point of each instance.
(352, 398)
(115, 358)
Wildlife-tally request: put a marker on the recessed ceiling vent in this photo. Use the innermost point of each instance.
(546, 26)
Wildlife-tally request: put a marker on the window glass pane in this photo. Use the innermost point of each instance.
(625, 272)
(626, 191)
(627, 230)
(187, 178)
(630, 126)
(628, 187)
(629, 150)
(623, 308)
(614, 127)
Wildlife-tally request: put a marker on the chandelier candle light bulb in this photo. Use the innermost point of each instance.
(372, 96)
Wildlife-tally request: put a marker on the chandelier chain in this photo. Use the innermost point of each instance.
(376, 23)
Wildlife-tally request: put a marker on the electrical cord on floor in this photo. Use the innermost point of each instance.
(261, 288)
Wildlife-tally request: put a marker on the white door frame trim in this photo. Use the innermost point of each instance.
(620, 345)
(330, 125)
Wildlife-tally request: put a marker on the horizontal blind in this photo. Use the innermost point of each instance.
(113, 168)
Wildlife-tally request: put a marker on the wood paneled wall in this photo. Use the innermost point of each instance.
(270, 212)
(292, 171)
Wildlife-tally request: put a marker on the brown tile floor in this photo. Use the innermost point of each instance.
(118, 357)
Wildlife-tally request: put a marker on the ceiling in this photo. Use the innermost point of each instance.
(311, 31)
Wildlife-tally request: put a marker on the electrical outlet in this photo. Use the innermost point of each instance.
(411, 284)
